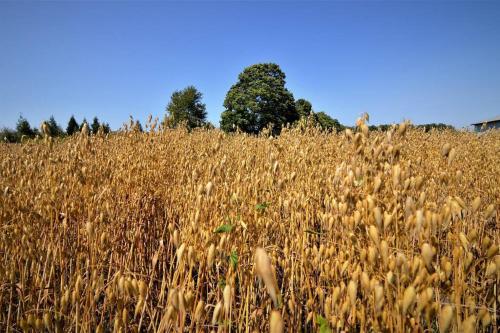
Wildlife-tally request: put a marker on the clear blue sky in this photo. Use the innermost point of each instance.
(424, 61)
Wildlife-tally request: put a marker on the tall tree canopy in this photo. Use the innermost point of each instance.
(185, 106)
(303, 107)
(258, 99)
(72, 127)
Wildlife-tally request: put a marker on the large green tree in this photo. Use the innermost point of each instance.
(258, 99)
(185, 106)
(303, 107)
(73, 126)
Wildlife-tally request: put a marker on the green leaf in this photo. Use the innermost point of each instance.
(321, 321)
(224, 228)
(358, 182)
(324, 325)
(314, 232)
(262, 206)
(233, 258)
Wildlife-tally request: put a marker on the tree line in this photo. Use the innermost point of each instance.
(24, 129)
(258, 100)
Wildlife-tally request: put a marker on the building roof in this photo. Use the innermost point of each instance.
(491, 120)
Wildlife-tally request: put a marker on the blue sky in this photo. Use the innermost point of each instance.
(424, 61)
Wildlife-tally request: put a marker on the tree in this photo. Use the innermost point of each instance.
(54, 128)
(95, 126)
(185, 106)
(209, 126)
(72, 127)
(138, 126)
(438, 127)
(8, 135)
(327, 123)
(258, 99)
(23, 127)
(303, 107)
(106, 128)
(381, 128)
(83, 123)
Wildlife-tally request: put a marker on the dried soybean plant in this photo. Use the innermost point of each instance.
(174, 231)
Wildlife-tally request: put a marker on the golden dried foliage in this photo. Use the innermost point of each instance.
(203, 231)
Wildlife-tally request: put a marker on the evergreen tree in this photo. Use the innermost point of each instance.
(95, 126)
(138, 126)
(23, 127)
(54, 128)
(83, 122)
(73, 126)
(106, 128)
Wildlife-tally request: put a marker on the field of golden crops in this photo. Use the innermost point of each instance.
(172, 231)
